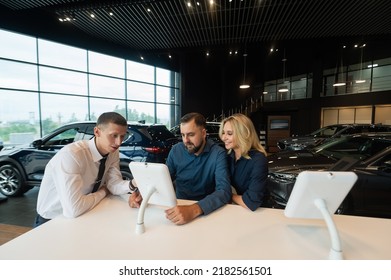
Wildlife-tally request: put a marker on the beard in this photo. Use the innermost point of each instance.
(192, 149)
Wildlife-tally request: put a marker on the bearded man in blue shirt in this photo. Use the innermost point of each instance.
(199, 170)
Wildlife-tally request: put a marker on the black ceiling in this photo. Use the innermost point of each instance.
(172, 24)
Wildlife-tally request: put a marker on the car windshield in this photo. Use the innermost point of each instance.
(327, 131)
(160, 133)
(356, 147)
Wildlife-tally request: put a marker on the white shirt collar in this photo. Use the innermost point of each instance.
(94, 150)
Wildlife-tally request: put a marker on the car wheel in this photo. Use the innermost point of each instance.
(11, 181)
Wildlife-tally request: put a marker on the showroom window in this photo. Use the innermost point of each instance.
(41, 90)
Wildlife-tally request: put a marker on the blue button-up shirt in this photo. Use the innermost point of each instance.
(248, 177)
(204, 178)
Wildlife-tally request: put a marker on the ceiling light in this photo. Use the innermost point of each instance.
(244, 85)
(372, 65)
(283, 89)
(339, 80)
(361, 80)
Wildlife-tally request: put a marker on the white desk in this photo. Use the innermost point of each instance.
(232, 232)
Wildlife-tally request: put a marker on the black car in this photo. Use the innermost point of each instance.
(212, 132)
(22, 167)
(368, 155)
(328, 133)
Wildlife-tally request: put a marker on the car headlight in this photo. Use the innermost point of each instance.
(283, 177)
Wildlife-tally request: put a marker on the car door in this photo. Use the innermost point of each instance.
(372, 191)
(36, 160)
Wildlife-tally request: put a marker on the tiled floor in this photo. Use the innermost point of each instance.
(19, 211)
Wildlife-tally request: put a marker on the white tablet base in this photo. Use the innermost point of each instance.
(326, 190)
(154, 183)
(336, 248)
(140, 228)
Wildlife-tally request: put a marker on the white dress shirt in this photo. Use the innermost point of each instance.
(70, 177)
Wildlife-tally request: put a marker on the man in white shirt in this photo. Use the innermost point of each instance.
(67, 187)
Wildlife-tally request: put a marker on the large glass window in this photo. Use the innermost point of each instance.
(358, 78)
(141, 111)
(21, 119)
(101, 105)
(139, 72)
(65, 84)
(58, 110)
(63, 81)
(63, 56)
(106, 65)
(106, 87)
(163, 77)
(297, 87)
(18, 47)
(140, 91)
(11, 73)
(381, 78)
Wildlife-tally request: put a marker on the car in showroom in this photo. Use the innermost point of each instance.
(328, 133)
(367, 155)
(212, 132)
(22, 167)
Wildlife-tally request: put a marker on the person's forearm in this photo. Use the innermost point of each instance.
(239, 200)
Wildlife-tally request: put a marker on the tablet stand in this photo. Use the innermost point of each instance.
(140, 228)
(336, 249)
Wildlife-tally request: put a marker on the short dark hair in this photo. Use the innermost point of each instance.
(111, 117)
(197, 117)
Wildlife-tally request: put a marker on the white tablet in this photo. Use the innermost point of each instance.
(154, 178)
(331, 186)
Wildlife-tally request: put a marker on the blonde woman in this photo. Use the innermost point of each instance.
(246, 161)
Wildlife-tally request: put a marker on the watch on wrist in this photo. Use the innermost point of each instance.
(132, 188)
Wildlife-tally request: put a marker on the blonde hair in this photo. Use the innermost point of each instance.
(244, 134)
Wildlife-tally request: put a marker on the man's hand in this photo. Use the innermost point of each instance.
(183, 214)
(135, 199)
(105, 189)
